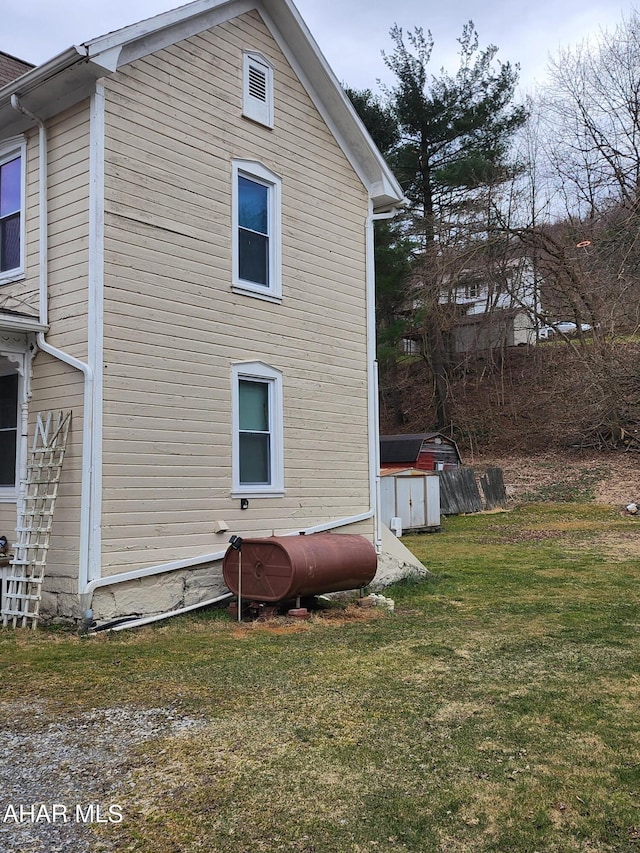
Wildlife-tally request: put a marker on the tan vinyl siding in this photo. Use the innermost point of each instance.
(68, 163)
(57, 386)
(8, 520)
(173, 326)
(69, 229)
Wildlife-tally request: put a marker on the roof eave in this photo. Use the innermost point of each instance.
(18, 323)
(48, 89)
(298, 44)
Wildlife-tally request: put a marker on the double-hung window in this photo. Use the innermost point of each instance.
(256, 212)
(12, 158)
(257, 430)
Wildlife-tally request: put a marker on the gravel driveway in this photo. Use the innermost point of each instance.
(62, 780)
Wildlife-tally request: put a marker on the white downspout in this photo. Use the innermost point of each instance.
(147, 620)
(87, 430)
(372, 373)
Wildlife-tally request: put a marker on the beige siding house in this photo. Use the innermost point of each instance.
(186, 263)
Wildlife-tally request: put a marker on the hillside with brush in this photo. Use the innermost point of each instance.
(526, 399)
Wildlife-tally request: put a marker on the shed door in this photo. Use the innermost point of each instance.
(411, 501)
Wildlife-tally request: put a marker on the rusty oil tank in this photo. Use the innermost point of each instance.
(278, 568)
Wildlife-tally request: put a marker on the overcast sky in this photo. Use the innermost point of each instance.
(350, 33)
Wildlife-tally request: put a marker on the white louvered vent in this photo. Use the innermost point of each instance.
(257, 100)
(257, 83)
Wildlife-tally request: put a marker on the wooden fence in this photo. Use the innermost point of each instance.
(460, 492)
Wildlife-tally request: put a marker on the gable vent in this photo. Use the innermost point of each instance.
(257, 89)
(257, 84)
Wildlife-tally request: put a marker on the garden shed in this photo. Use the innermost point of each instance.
(427, 451)
(410, 501)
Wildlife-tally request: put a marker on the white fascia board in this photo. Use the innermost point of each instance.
(139, 40)
(9, 323)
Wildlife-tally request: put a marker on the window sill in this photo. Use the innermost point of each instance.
(256, 294)
(8, 495)
(258, 493)
(10, 276)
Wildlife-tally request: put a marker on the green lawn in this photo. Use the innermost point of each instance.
(496, 710)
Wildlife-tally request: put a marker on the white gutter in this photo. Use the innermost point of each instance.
(20, 324)
(148, 571)
(340, 522)
(43, 264)
(36, 76)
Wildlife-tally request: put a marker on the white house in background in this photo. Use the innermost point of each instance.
(493, 313)
(186, 263)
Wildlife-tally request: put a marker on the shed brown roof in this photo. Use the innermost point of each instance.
(11, 68)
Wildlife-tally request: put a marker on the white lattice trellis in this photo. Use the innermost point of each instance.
(21, 605)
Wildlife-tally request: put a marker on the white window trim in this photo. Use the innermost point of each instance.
(253, 108)
(8, 150)
(258, 371)
(260, 174)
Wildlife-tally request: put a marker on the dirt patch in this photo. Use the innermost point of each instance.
(607, 478)
(622, 546)
(284, 625)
